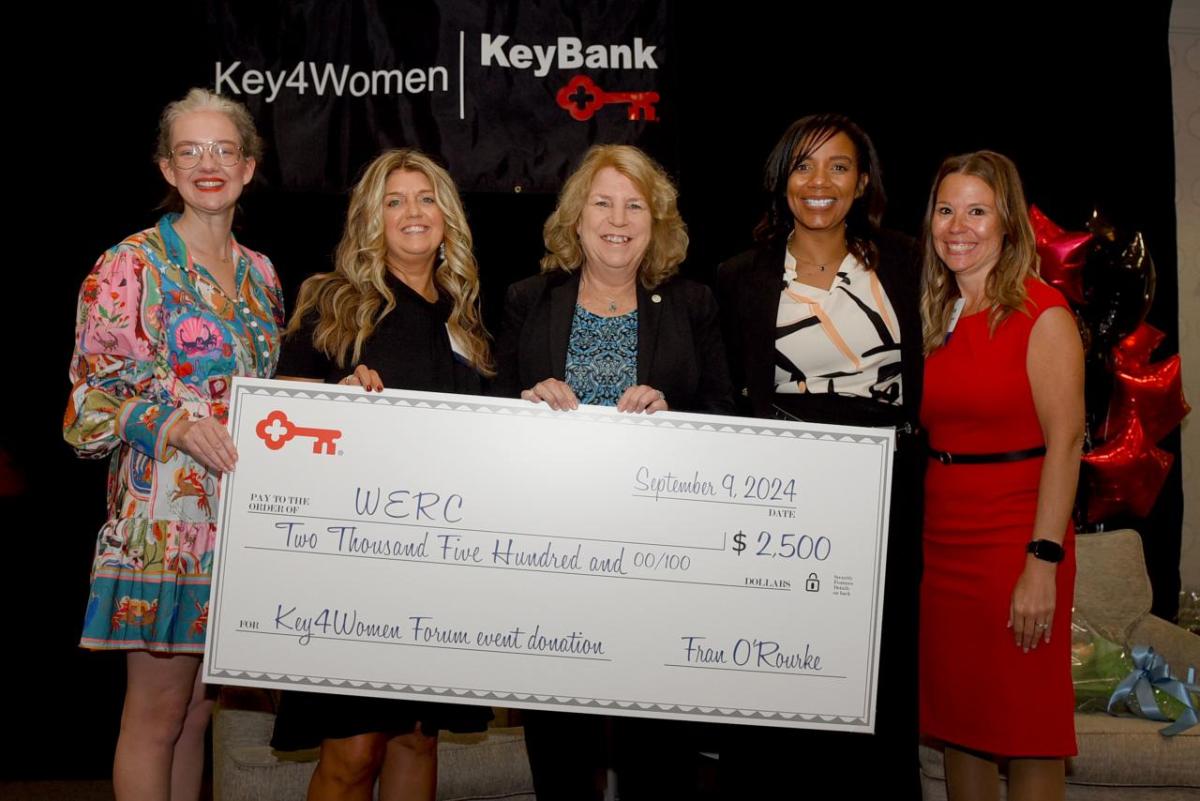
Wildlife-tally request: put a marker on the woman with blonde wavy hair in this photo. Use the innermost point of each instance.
(608, 322)
(1003, 405)
(404, 205)
(400, 309)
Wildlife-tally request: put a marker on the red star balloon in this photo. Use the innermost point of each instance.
(1154, 396)
(1125, 474)
(1132, 354)
(1062, 253)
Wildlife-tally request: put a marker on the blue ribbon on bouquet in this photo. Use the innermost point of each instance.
(1150, 672)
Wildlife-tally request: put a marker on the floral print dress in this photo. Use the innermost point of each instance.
(157, 341)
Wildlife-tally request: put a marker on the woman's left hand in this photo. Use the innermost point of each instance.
(364, 377)
(1031, 614)
(642, 398)
(207, 441)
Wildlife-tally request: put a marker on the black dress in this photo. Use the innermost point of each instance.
(410, 349)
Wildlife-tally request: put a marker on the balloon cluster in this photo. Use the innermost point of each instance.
(1133, 403)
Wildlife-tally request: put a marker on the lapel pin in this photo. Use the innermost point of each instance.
(656, 298)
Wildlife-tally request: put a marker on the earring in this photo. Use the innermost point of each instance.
(442, 251)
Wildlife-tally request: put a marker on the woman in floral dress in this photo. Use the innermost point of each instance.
(166, 319)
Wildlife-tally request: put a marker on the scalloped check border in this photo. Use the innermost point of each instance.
(508, 697)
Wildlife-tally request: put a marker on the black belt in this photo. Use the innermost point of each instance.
(987, 458)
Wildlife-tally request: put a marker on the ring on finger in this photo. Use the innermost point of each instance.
(1043, 625)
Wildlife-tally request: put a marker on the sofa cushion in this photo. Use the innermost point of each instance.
(1119, 751)
(491, 765)
(1130, 751)
(1112, 590)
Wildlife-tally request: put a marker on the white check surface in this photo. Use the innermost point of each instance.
(475, 550)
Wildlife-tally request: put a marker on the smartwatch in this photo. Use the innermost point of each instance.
(1046, 550)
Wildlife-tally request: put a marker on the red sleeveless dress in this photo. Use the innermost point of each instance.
(978, 689)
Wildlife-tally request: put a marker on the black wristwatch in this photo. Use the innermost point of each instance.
(1046, 550)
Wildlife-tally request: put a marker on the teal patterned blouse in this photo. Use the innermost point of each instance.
(602, 356)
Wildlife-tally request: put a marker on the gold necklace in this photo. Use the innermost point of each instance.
(820, 267)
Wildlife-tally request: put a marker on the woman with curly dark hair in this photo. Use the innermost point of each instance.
(822, 324)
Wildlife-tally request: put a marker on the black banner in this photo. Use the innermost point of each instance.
(508, 94)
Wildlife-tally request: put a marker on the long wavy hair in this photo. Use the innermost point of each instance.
(803, 138)
(668, 233)
(351, 300)
(1004, 287)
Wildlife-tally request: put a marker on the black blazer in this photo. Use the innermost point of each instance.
(679, 340)
(748, 287)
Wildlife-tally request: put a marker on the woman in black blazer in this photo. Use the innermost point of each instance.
(614, 245)
(679, 350)
(608, 322)
(822, 321)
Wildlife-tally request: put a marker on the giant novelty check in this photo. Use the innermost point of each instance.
(452, 548)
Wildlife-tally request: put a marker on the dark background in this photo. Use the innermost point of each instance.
(1082, 103)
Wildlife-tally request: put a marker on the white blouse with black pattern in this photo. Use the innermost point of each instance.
(844, 340)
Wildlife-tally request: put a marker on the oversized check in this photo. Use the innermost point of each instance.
(482, 551)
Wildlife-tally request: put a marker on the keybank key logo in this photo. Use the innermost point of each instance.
(276, 430)
(581, 98)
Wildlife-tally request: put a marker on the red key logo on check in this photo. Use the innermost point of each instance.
(582, 97)
(275, 430)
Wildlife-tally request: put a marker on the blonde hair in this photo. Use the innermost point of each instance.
(1004, 288)
(668, 233)
(351, 300)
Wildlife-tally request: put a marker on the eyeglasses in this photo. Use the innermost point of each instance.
(186, 155)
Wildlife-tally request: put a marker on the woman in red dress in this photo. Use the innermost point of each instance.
(1003, 405)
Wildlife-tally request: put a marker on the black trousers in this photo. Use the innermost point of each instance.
(797, 763)
(569, 754)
